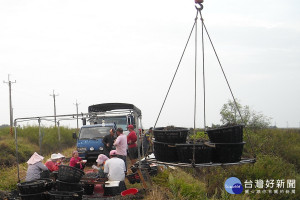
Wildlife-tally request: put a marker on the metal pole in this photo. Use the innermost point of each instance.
(77, 113)
(58, 130)
(53, 95)
(40, 136)
(10, 104)
(17, 152)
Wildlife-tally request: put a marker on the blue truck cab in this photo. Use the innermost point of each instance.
(89, 141)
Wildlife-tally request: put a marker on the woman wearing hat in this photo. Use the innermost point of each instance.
(100, 165)
(52, 163)
(35, 167)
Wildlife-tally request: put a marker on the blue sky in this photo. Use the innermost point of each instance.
(127, 51)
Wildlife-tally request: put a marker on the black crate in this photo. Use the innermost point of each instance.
(203, 153)
(63, 195)
(227, 152)
(69, 174)
(175, 135)
(230, 134)
(45, 174)
(49, 183)
(132, 178)
(38, 196)
(165, 152)
(32, 187)
(88, 188)
(66, 186)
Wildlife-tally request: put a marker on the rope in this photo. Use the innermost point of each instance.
(175, 73)
(204, 88)
(195, 98)
(227, 84)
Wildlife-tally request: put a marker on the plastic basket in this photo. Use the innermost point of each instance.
(32, 187)
(175, 135)
(88, 188)
(230, 134)
(69, 174)
(49, 183)
(165, 152)
(66, 186)
(38, 196)
(227, 152)
(203, 153)
(63, 195)
(131, 178)
(45, 174)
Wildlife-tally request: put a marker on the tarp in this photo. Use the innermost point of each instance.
(113, 106)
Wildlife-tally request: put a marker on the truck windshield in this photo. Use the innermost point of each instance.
(93, 132)
(120, 121)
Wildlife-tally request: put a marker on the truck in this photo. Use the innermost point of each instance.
(102, 118)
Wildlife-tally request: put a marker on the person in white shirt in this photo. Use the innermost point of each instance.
(115, 167)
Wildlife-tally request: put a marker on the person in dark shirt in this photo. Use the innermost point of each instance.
(108, 141)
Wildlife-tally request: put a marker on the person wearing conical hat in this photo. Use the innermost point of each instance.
(35, 167)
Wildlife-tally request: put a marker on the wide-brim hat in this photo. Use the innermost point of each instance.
(101, 158)
(55, 156)
(35, 158)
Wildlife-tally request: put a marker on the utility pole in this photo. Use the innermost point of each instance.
(10, 104)
(54, 95)
(76, 104)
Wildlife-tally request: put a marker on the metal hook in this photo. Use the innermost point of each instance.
(199, 7)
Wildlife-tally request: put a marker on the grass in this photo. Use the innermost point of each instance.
(277, 155)
(9, 175)
(28, 142)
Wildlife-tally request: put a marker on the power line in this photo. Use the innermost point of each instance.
(10, 103)
(54, 95)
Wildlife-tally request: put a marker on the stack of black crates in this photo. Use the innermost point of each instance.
(165, 142)
(170, 146)
(225, 145)
(228, 142)
(68, 184)
(35, 190)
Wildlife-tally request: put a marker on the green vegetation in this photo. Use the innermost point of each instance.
(28, 142)
(277, 157)
(232, 113)
(277, 154)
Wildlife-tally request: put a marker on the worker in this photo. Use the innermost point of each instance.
(147, 141)
(100, 165)
(76, 161)
(121, 145)
(52, 164)
(115, 171)
(132, 146)
(115, 167)
(35, 167)
(108, 141)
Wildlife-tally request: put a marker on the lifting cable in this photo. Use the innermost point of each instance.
(234, 99)
(203, 74)
(176, 71)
